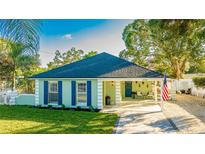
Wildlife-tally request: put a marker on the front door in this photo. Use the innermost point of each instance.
(128, 88)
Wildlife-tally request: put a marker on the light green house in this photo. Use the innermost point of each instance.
(96, 81)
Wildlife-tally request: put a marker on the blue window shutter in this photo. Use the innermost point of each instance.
(73, 89)
(89, 93)
(45, 92)
(59, 92)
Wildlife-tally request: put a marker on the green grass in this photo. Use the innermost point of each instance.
(27, 120)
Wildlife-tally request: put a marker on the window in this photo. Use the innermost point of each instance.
(81, 93)
(53, 92)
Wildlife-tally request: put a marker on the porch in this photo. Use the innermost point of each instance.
(128, 91)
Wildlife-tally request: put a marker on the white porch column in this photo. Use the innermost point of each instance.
(100, 94)
(155, 91)
(36, 92)
(117, 92)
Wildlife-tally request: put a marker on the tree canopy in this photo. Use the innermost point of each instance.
(68, 57)
(171, 46)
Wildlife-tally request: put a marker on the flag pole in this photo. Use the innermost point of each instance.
(162, 86)
(161, 96)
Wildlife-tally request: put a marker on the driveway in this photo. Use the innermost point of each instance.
(141, 117)
(187, 112)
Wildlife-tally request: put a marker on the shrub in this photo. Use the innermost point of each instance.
(199, 81)
(91, 108)
(78, 108)
(50, 106)
(63, 106)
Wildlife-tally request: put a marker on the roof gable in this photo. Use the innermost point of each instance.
(103, 65)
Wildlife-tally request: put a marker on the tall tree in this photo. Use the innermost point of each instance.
(16, 57)
(89, 54)
(68, 57)
(19, 43)
(170, 46)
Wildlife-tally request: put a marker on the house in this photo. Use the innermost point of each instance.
(88, 82)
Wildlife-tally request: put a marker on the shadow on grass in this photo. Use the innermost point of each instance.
(27, 120)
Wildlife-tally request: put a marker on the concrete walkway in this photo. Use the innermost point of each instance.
(142, 117)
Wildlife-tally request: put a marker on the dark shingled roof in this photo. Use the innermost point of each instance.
(102, 65)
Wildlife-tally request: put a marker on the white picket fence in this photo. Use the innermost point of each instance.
(13, 98)
(8, 97)
(198, 92)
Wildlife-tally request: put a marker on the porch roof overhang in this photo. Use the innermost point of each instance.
(132, 79)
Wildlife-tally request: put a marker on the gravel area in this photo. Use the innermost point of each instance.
(187, 113)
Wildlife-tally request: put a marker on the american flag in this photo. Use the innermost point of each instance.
(165, 92)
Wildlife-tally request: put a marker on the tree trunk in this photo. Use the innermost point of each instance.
(14, 78)
(183, 66)
(177, 71)
(179, 68)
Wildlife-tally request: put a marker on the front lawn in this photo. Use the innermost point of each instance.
(28, 120)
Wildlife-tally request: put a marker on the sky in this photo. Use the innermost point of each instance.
(87, 34)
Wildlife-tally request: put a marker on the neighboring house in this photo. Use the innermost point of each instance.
(87, 82)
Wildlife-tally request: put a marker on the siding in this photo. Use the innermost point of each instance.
(94, 93)
(109, 90)
(66, 91)
(41, 92)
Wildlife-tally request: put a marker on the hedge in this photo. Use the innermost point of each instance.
(199, 81)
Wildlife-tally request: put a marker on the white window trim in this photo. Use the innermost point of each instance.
(49, 102)
(77, 102)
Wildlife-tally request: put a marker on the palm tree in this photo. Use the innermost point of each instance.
(17, 57)
(19, 43)
(24, 31)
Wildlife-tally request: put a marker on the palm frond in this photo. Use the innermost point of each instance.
(24, 31)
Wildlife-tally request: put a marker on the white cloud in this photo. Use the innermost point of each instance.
(67, 36)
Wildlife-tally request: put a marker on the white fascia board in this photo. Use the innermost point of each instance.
(105, 79)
